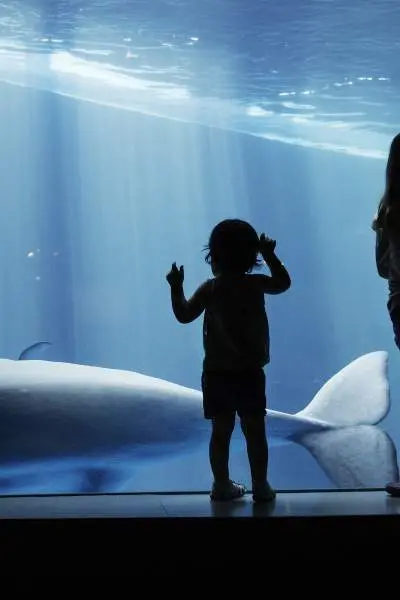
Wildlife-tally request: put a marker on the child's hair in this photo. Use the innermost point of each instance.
(233, 247)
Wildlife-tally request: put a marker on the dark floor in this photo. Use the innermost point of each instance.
(59, 533)
(155, 506)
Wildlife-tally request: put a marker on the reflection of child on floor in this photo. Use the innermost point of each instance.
(236, 347)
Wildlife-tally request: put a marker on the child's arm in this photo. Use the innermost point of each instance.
(184, 310)
(279, 281)
(187, 311)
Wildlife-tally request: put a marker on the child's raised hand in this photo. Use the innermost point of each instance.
(267, 246)
(176, 276)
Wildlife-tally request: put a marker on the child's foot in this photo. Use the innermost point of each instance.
(263, 493)
(227, 491)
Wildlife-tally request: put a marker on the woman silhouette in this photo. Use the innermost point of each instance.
(386, 224)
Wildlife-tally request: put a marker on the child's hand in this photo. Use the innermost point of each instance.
(267, 246)
(176, 276)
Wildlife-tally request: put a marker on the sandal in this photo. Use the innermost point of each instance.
(227, 492)
(264, 493)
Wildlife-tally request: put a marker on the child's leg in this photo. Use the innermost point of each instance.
(222, 429)
(219, 407)
(223, 488)
(253, 427)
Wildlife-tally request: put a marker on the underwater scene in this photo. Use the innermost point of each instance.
(129, 129)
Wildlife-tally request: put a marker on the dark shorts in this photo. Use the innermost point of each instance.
(227, 392)
(395, 316)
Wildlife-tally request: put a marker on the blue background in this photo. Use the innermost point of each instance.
(106, 180)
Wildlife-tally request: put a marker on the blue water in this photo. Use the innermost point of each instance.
(131, 128)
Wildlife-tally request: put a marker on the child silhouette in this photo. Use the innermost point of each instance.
(236, 347)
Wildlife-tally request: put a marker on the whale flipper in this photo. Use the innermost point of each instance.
(363, 456)
(352, 451)
(98, 480)
(31, 351)
(356, 395)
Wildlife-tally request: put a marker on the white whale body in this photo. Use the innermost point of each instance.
(57, 417)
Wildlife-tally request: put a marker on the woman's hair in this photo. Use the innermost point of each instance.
(391, 194)
(233, 246)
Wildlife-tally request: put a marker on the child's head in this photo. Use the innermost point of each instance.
(233, 247)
